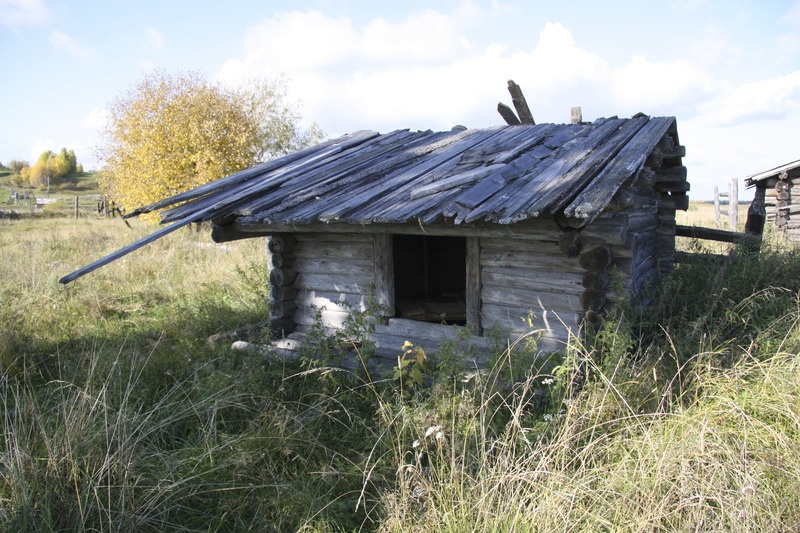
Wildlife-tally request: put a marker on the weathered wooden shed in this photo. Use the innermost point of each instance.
(476, 228)
(774, 191)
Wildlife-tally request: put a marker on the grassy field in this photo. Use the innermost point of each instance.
(119, 414)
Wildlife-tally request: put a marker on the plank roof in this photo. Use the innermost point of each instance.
(502, 175)
(497, 175)
(792, 172)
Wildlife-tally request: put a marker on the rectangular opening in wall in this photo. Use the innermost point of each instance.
(430, 278)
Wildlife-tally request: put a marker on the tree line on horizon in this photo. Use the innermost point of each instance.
(51, 168)
(175, 131)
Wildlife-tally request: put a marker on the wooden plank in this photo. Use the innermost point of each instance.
(713, 234)
(456, 180)
(599, 193)
(272, 209)
(508, 114)
(531, 230)
(567, 165)
(228, 200)
(520, 104)
(517, 278)
(342, 282)
(435, 155)
(131, 247)
(362, 267)
(331, 300)
(569, 185)
(342, 251)
(528, 299)
(364, 159)
(473, 284)
(383, 258)
(237, 178)
(396, 189)
(557, 324)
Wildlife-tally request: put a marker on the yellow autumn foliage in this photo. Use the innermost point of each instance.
(173, 132)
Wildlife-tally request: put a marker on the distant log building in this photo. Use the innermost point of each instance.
(775, 191)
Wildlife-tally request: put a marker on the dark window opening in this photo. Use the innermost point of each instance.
(430, 278)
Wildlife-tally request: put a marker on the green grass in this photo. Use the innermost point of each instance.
(118, 414)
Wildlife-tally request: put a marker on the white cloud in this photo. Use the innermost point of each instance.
(23, 13)
(557, 60)
(424, 36)
(154, 39)
(65, 43)
(653, 86)
(765, 99)
(96, 119)
(39, 147)
(418, 72)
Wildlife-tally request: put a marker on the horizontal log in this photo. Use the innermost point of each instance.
(674, 202)
(338, 251)
(671, 174)
(646, 177)
(282, 293)
(277, 244)
(558, 323)
(596, 281)
(361, 267)
(227, 233)
(570, 243)
(281, 309)
(279, 277)
(528, 260)
(534, 229)
(339, 301)
(528, 299)
(348, 282)
(531, 280)
(683, 186)
(711, 234)
(277, 260)
(596, 258)
(594, 300)
(332, 319)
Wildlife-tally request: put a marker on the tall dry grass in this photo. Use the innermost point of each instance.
(119, 415)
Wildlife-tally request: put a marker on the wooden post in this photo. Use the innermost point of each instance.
(76, 207)
(577, 115)
(383, 259)
(473, 299)
(733, 201)
(716, 207)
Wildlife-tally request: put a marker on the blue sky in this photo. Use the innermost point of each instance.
(728, 70)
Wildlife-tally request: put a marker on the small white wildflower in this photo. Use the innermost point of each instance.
(415, 444)
(547, 417)
(548, 381)
(431, 430)
(439, 435)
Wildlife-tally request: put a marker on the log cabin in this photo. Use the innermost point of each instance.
(775, 196)
(433, 233)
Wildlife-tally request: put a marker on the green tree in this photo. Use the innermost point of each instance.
(173, 132)
(16, 166)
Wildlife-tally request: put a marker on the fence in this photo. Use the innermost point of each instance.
(731, 200)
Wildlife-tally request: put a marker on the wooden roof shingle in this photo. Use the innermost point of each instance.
(499, 175)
